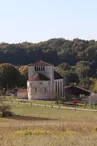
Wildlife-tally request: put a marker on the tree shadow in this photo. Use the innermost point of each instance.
(28, 118)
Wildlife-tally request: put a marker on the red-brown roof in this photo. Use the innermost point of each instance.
(40, 63)
(77, 90)
(69, 86)
(39, 77)
(22, 90)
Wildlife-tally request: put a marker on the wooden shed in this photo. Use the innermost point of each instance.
(72, 92)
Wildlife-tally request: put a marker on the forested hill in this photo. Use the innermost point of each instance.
(55, 51)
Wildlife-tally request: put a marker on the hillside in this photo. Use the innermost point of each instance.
(75, 60)
(55, 51)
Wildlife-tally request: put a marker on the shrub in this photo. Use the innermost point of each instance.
(4, 108)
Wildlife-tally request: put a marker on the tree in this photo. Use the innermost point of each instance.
(24, 75)
(70, 77)
(85, 83)
(24, 71)
(65, 66)
(79, 53)
(9, 75)
(4, 108)
(94, 88)
(83, 69)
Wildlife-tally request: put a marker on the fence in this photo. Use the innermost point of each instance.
(19, 101)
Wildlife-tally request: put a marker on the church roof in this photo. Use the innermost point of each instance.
(39, 77)
(40, 63)
(57, 75)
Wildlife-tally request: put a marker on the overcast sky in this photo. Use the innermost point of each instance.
(39, 20)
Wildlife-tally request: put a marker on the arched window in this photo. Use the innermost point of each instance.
(39, 68)
(43, 68)
(35, 68)
(35, 89)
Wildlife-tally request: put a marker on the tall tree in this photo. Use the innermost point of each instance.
(24, 75)
(83, 69)
(9, 75)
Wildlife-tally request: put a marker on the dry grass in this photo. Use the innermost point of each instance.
(47, 133)
(71, 128)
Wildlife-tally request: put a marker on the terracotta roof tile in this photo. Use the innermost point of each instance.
(23, 90)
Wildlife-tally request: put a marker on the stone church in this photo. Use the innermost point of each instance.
(43, 81)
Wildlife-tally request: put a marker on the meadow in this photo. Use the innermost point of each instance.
(44, 126)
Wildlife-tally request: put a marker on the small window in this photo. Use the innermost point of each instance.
(35, 89)
(39, 68)
(35, 68)
(43, 68)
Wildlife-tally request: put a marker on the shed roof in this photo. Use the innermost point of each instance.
(77, 90)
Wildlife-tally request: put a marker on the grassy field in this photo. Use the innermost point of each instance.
(42, 126)
(50, 103)
(52, 113)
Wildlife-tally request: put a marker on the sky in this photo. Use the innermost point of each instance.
(40, 20)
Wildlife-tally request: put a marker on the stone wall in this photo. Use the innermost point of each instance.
(39, 89)
(58, 88)
(44, 89)
(48, 72)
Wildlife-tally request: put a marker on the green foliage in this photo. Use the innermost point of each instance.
(64, 66)
(94, 85)
(77, 57)
(83, 69)
(69, 76)
(9, 75)
(24, 75)
(86, 82)
(24, 71)
(4, 108)
(60, 49)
